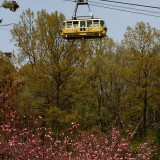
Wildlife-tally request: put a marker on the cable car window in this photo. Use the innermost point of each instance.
(102, 24)
(69, 24)
(63, 25)
(82, 26)
(89, 23)
(75, 24)
(95, 23)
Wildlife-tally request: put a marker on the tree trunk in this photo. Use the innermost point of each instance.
(145, 112)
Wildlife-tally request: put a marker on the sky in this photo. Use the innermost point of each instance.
(116, 21)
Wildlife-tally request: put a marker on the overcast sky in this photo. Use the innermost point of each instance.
(116, 21)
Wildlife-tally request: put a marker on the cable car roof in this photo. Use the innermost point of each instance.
(83, 19)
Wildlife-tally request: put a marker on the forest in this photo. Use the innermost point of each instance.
(81, 99)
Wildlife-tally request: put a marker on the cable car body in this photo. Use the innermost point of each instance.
(83, 28)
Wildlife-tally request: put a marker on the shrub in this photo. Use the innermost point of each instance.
(26, 139)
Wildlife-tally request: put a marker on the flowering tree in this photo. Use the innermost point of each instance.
(24, 138)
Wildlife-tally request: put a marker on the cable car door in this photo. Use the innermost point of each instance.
(82, 26)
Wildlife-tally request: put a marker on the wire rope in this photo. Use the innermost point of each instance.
(125, 9)
(133, 4)
(152, 15)
(2, 25)
(124, 3)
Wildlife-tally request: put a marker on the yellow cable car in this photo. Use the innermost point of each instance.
(83, 28)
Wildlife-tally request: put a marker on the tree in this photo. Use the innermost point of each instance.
(142, 43)
(11, 5)
(101, 99)
(9, 85)
(50, 64)
(19, 141)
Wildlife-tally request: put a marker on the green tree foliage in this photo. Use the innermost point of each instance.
(51, 65)
(9, 84)
(142, 43)
(6, 70)
(94, 82)
(101, 98)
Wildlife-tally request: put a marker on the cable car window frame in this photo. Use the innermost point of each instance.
(102, 23)
(64, 25)
(89, 23)
(75, 24)
(69, 24)
(82, 27)
(96, 23)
